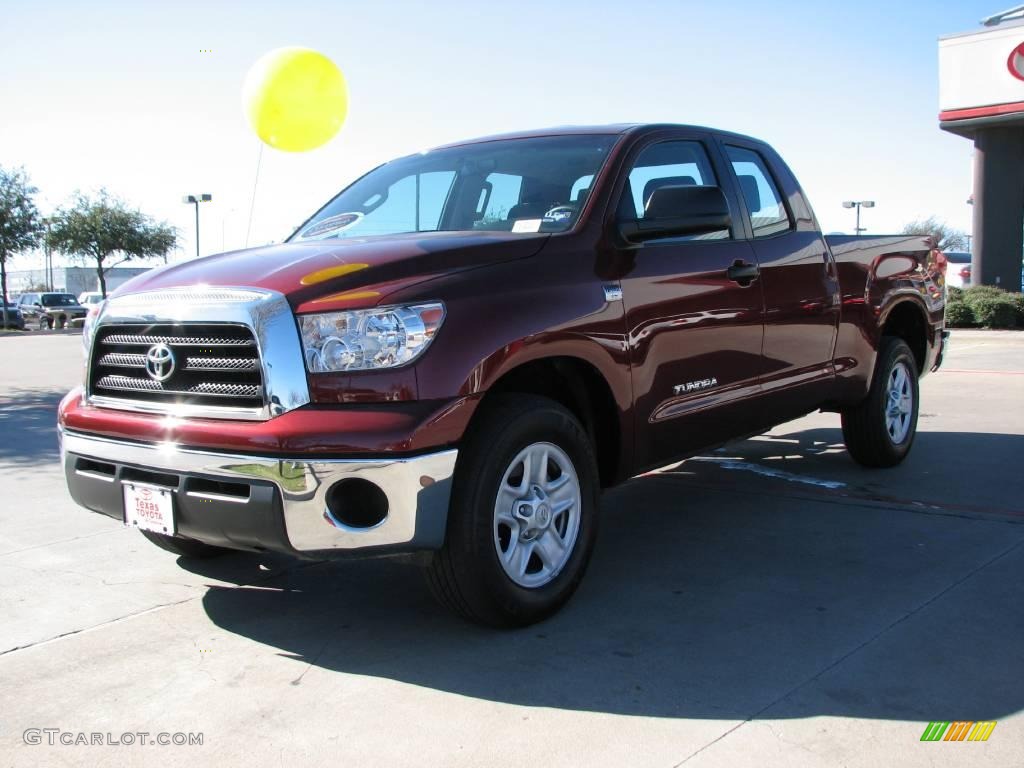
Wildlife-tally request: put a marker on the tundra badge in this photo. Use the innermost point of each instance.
(694, 386)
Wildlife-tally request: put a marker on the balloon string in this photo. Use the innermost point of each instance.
(252, 201)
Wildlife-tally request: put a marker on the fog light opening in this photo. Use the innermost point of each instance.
(356, 503)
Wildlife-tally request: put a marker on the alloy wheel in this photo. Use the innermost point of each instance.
(537, 515)
(899, 403)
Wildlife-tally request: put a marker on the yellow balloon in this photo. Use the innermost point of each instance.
(295, 98)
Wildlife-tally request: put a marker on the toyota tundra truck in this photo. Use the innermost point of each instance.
(455, 355)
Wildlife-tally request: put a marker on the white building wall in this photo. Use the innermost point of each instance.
(74, 280)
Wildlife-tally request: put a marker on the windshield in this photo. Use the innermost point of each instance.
(514, 185)
(58, 300)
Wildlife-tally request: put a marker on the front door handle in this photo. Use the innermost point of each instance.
(743, 272)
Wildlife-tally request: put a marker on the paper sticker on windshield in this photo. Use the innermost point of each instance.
(527, 225)
(331, 225)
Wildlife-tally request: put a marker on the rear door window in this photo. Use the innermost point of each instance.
(764, 203)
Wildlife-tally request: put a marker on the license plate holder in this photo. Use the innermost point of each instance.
(149, 508)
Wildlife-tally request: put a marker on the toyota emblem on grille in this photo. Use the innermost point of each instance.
(160, 362)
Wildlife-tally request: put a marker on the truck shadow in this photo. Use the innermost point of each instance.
(706, 601)
(957, 471)
(28, 425)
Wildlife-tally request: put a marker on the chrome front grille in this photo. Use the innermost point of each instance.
(192, 362)
(148, 339)
(208, 389)
(221, 363)
(202, 364)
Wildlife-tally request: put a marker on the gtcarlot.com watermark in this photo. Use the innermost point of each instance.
(58, 737)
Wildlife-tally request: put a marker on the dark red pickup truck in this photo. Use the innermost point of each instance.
(458, 352)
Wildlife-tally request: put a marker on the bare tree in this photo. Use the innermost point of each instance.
(946, 238)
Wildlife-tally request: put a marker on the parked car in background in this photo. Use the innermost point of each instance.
(958, 269)
(51, 310)
(89, 298)
(11, 316)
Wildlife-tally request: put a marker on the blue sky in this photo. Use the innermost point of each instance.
(119, 94)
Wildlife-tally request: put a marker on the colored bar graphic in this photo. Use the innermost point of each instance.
(958, 730)
(982, 731)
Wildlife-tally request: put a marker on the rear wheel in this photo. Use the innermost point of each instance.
(523, 515)
(190, 548)
(880, 430)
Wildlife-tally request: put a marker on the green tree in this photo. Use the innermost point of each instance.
(946, 238)
(102, 227)
(20, 225)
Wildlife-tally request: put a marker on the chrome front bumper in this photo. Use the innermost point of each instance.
(418, 489)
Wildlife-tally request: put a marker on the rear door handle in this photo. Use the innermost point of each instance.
(743, 272)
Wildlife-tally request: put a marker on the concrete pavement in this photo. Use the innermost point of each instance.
(769, 604)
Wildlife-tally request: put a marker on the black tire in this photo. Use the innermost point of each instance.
(190, 548)
(45, 323)
(465, 575)
(868, 439)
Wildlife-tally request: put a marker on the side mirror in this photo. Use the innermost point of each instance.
(673, 211)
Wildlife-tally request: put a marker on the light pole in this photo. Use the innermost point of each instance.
(48, 253)
(196, 200)
(857, 204)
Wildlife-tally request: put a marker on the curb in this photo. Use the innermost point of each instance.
(22, 334)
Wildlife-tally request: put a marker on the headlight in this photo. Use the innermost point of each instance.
(368, 339)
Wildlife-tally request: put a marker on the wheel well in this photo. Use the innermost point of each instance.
(581, 388)
(907, 321)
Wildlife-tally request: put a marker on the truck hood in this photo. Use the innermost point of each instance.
(343, 274)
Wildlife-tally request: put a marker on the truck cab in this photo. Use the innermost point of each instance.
(457, 353)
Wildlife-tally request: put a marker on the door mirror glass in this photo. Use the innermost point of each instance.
(679, 210)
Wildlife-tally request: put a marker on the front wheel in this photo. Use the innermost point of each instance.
(880, 430)
(44, 323)
(523, 516)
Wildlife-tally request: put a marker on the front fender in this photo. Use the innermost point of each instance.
(498, 319)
